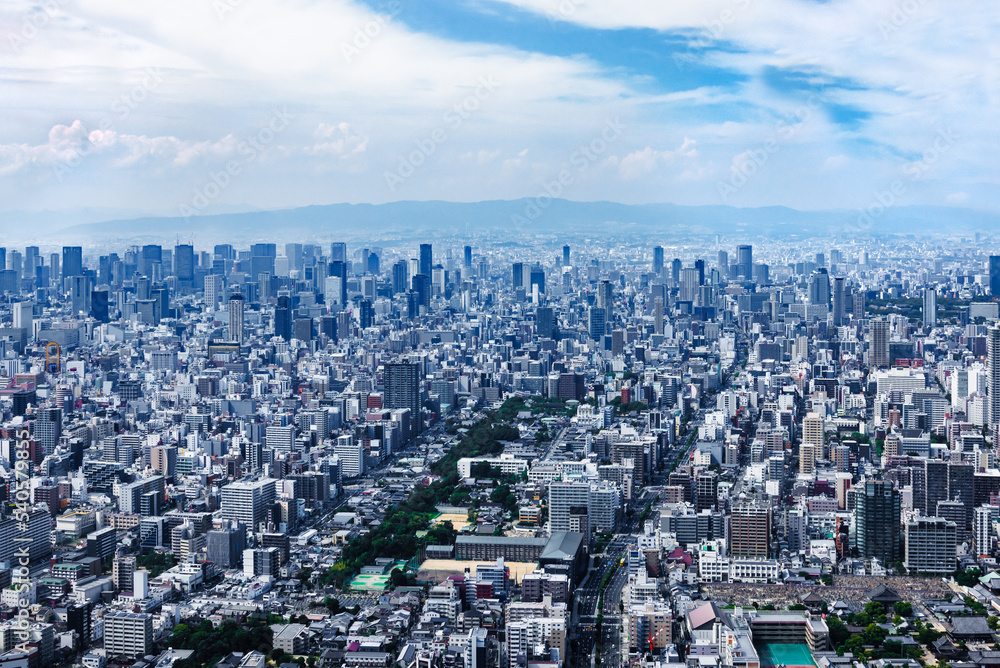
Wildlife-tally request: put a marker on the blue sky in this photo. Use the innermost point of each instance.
(197, 106)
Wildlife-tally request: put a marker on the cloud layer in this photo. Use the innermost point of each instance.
(793, 102)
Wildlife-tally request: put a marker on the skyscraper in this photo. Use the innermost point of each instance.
(338, 251)
(877, 522)
(426, 259)
(468, 257)
(402, 389)
(566, 256)
(538, 278)
(72, 261)
(819, 288)
(750, 530)
(930, 307)
(744, 261)
(658, 260)
(236, 318)
(995, 275)
(597, 323)
(518, 279)
(993, 373)
(400, 280)
(879, 352)
(184, 264)
(838, 301)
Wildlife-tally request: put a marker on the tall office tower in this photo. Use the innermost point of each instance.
(879, 352)
(80, 294)
(30, 260)
(283, 317)
(931, 545)
(537, 278)
(48, 429)
(399, 278)
(658, 315)
(544, 322)
(839, 307)
(16, 263)
(563, 496)
(995, 275)
(184, 265)
(658, 260)
(930, 307)
(422, 287)
(688, 285)
(236, 318)
(993, 373)
(123, 572)
(402, 389)
(426, 259)
(724, 264)
(566, 261)
(675, 271)
(605, 296)
(761, 274)
(338, 269)
(338, 251)
(281, 439)
(213, 291)
(151, 254)
(597, 323)
(819, 287)
(699, 266)
(744, 261)
(706, 491)
(518, 280)
(225, 546)
(163, 460)
(246, 502)
(467, 257)
(72, 261)
(982, 529)
(877, 522)
(858, 304)
(23, 316)
(294, 254)
(961, 488)
(750, 530)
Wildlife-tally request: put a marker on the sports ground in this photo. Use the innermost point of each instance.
(788, 655)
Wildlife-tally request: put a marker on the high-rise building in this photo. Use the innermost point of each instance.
(72, 261)
(984, 517)
(993, 373)
(879, 352)
(994, 275)
(931, 545)
(544, 322)
(426, 259)
(750, 530)
(338, 251)
(930, 307)
(351, 455)
(402, 389)
(744, 261)
(518, 277)
(236, 319)
(819, 288)
(214, 285)
(839, 307)
(184, 265)
(706, 491)
(128, 634)
(877, 521)
(658, 260)
(658, 315)
(566, 261)
(246, 501)
(537, 278)
(597, 323)
(563, 496)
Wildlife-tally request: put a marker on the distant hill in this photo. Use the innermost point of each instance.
(434, 218)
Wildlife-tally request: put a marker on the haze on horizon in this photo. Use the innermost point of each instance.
(215, 105)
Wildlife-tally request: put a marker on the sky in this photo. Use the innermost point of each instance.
(189, 107)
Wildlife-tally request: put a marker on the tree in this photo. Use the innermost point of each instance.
(838, 631)
(903, 608)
